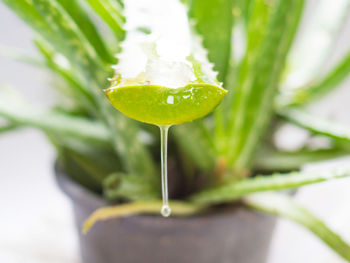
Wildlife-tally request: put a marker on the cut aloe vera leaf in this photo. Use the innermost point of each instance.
(163, 75)
(165, 106)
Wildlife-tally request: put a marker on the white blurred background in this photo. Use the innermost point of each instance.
(36, 220)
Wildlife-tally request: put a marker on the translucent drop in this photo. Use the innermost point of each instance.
(166, 211)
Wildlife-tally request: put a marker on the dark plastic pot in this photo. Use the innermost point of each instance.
(234, 235)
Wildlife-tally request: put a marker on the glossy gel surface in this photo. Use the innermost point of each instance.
(166, 106)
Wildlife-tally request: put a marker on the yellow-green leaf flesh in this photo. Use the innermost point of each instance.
(160, 105)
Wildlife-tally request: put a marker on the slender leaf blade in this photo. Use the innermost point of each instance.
(146, 62)
(253, 109)
(27, 12)
(318, 88)
(233, 191)
(20, 112)
(8, 127)
(59, 65)
(120, 186)
(77, 48)
(268, 160)
(86, 25)
(111, 12)
(316, 124)
(284, 206)
(136, 158)
(196, 145)
(214, 21)
(21, 56)
(94, 165)
(305, 67)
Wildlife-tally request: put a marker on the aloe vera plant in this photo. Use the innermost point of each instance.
(246, 47)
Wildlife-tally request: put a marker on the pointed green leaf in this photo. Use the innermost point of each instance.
(135, 157)
(121, 186)
(316, 124)
(196, 144)
(76, 11)
(8, 127)
(51, 21)
(254, 30)
(233, 191)
(305, 67)
(244, 8)
(19, 112)
(214, 21)
(319, 88)
(171, 61)
(86, 163)
(258, 80)
(93, 166)
(59, 65)
(27, 12)
(111, 12)
(268, 160)
(77, 49)
(21, 56)
(153, 85)
(284, 206)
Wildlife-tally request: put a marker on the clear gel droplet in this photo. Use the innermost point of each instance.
(166, 211)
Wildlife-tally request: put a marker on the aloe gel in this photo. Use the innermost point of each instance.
(163, 76)
(165, 211)
(166, 106)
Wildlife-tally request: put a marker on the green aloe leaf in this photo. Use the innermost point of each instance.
(43, 17)
(21, 56)
(8, 127)
(148, 207)
(244, 8)
(18, 111)
(255, 30)
(233, 191)
(26, 11)
(111, 12)
(80, 16)
(135, 157)
(55, 26)
(319, 88)
(150, 71)
(58, 64)
(77, 49)
(121, 186)
(196, 144)
(214, 21)
(163, 89)
(76, 172)
(86, 163)
(316, 124)
(269, 160)
(259, 78)
(284, 206)
(305, 67)
(95, 165)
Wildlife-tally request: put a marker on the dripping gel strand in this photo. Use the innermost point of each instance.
(165, 211)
